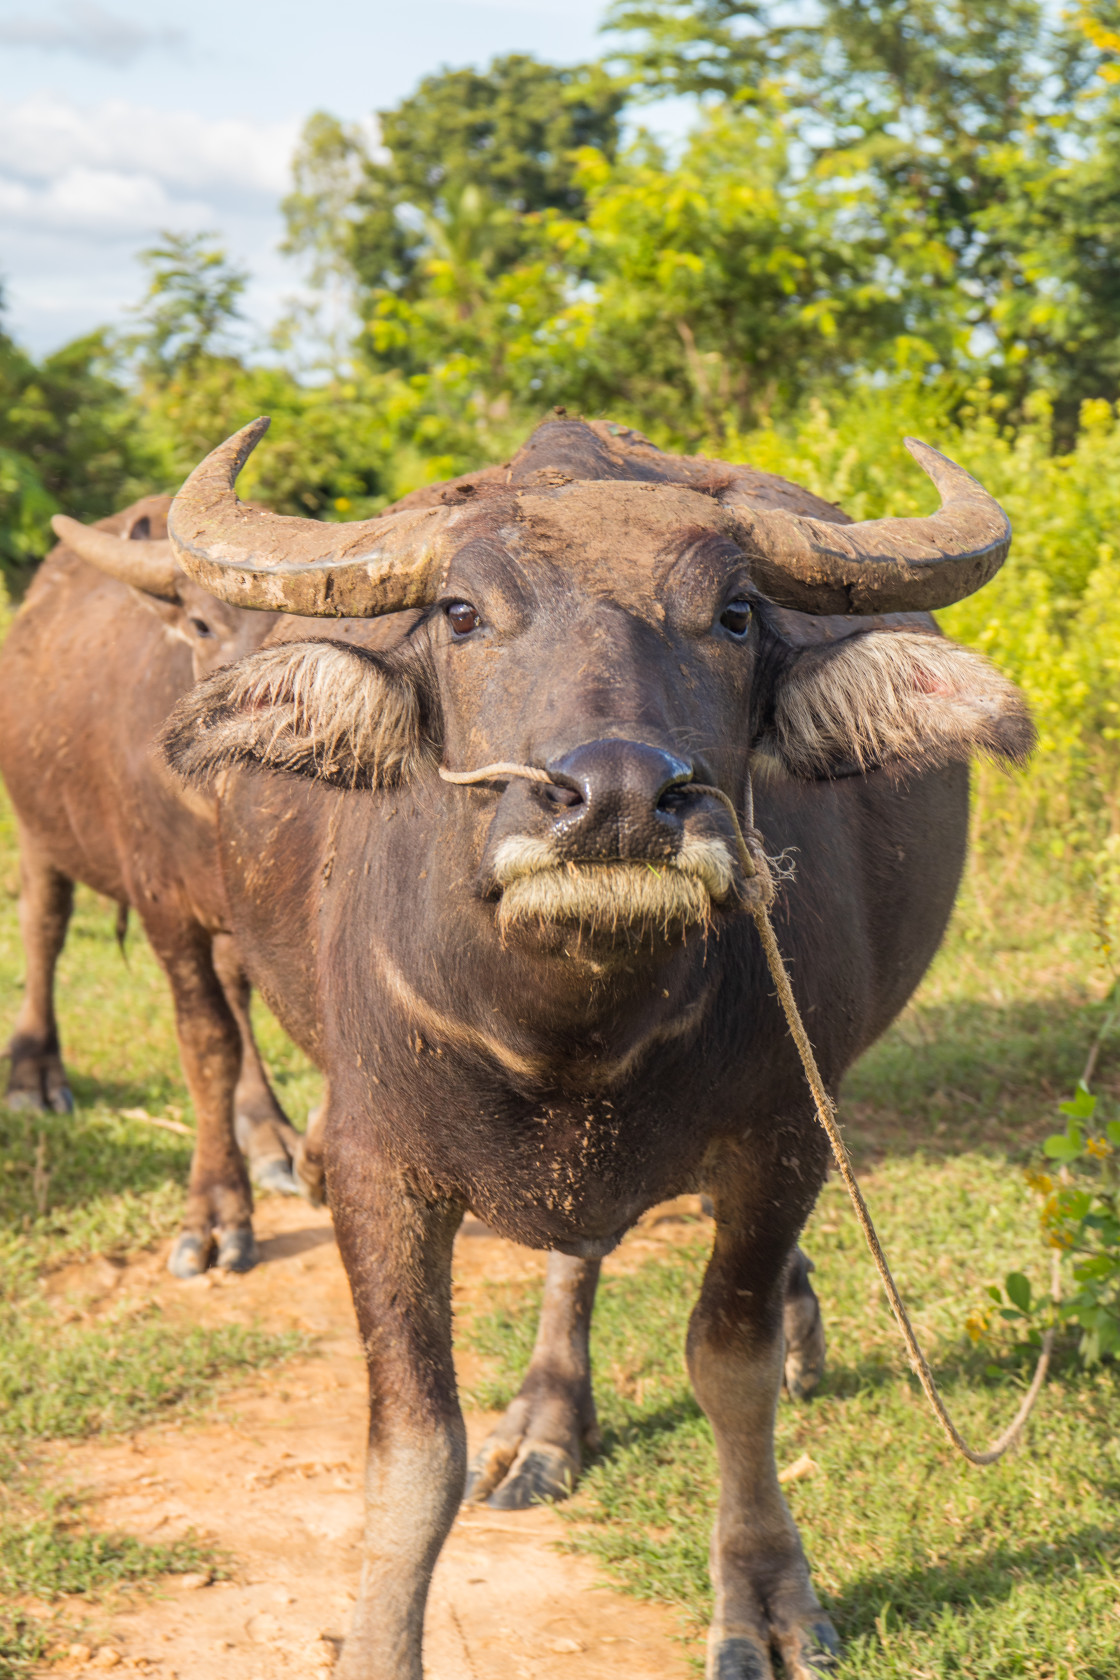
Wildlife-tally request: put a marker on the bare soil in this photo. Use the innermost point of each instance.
(273, 1475)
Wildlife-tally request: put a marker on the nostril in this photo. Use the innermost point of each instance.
(675, 798)
(557, 795)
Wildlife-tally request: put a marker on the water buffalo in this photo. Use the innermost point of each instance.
(110, 635)
(538, 996)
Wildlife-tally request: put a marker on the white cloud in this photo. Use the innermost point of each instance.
(82, 189)
(87, 30)
(43, 138)
(101, 202)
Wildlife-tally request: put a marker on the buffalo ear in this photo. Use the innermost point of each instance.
(325, 710)
(893, 697)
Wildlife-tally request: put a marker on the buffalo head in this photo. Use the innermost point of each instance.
(624, 620)
(133, 547)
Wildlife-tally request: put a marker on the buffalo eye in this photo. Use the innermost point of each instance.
(200, 627)
(736, 617)
(464, 618)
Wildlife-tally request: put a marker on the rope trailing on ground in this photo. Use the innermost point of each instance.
(758, 897)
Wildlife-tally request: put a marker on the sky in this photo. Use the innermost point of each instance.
(121, 119)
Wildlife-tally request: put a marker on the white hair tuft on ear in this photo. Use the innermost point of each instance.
(901, 698)
(319, 709)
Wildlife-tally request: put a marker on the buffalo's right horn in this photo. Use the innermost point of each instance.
(148, 564)
(312, 567)
(881, 565)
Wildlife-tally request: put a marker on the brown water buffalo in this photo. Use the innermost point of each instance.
(111, 634)
(539, 996)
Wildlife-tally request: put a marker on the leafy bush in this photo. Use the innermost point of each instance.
(1080, 1219)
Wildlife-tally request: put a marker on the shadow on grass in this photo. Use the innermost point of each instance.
(972, 1074)
(919, 1595)
(62, 1161)
(124, 1093)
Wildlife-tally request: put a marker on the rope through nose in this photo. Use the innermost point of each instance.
(752, 859)
(496, 773)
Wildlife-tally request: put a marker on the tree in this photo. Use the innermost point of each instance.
(70, 440)
(191, 305)
(508, 134)
(986, 131)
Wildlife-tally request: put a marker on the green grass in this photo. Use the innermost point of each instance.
(47, 1554)
(73, 1187)
(930, 1569)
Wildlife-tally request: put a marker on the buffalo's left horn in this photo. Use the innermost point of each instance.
(148, 565)
(317, 569)
(881, 565)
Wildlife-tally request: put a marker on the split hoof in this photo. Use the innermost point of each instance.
(811, 1653)
(190, 1256)
(275, 1174)
(539, 1474)
(739, 1659)
(237, 1250)
(61, 1100)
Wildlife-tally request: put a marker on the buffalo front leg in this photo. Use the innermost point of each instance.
(264, 1134)
(219, 1200)
(536, 1451)
(764, 1600)
(36, 1078)
(396, 1246)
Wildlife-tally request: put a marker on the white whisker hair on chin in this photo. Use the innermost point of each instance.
(537, 887)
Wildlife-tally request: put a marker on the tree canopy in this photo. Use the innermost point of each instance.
(874, 194)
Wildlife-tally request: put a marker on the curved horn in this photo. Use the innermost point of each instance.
(148, 565)
(882, 565)
(317, 569)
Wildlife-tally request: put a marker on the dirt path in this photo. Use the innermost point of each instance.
(276, 1483)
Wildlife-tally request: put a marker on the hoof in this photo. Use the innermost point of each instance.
(308, 1176)
(739, 1659)
(274, 1174)
(237, 1250)
(190, 1256)
(539, 1474)
(21, 1101)
(811, 1653)
(61, 1100)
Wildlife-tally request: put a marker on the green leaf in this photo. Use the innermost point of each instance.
(1062, 1146)
(995, 1294)
(1112, 1133)
(1019, 1291)
(1081, 1105)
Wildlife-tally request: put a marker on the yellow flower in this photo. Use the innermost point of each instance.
(1098, 1147)
(342, 504)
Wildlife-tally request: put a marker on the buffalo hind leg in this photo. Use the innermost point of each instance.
(764, 1599)
(36, 1077)
(396, 1246)
(802, 1322)
(803, 1327)
(264, 1134)
(219, 1199)
(535, 1452)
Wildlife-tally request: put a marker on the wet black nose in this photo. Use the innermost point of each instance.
(618, 799)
